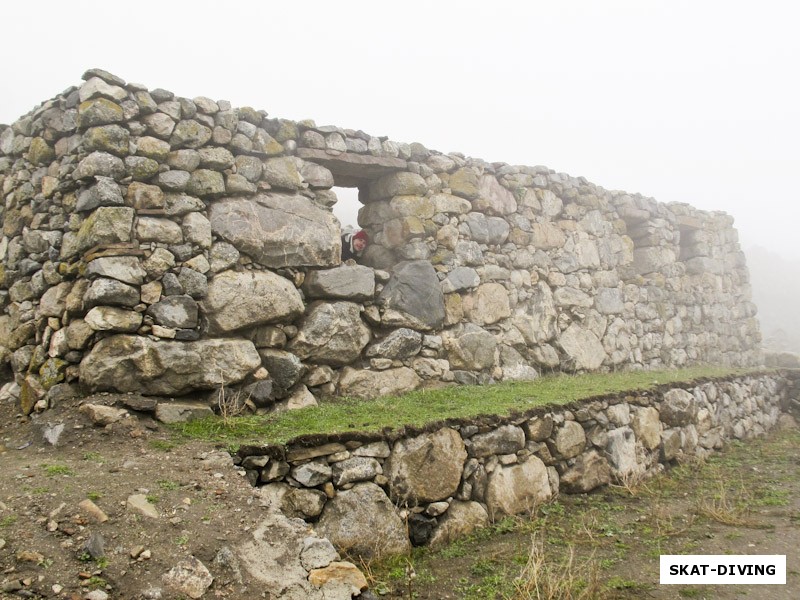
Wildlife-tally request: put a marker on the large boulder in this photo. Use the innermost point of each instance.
(589, 471)
(129, 363)
(652, 259)
(347, 282)
(583, 348)
(506, 439)
(106, 225)
(517, 489)
(426, 468)
(568, 441)
(399, 344)
(363, 521)
(488, 304)
(646, 425)
(461, 519)
(487, 230)
(621, 452)
(679, 408)
(238, 300)
(367, 384)
(332, 333)
(279, 230)
(413, 296)
(493, 198)
(469, 347)
(289, 561)
(537, 323)
(400, 183)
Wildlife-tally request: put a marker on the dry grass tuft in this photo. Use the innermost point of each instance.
(564, 579)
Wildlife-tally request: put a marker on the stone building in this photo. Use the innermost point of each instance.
(171, 246)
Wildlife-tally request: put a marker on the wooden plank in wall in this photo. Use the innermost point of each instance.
(118, 249)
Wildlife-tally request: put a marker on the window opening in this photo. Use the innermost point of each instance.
(347, 207)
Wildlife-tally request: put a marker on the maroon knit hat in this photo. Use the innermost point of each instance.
(361, 235)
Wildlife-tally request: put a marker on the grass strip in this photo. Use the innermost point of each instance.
(421, 407)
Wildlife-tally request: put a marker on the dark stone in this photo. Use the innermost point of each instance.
(187, 335)
(171, 285)
(260, 393)
(420, 529)
(284, 368)
(414, 291)
(193, 282)
(95, 546)
(465, 378)
(138, 403)
(182, 252)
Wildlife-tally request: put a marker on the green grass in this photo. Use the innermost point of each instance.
(54, 470)
(427, 406)
(8, 520)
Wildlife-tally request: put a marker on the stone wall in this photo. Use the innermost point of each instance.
(169, 246)
(380, 494)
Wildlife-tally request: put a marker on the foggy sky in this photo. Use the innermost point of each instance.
(682, 101)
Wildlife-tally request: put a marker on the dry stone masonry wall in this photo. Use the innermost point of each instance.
(173, 246)
(382, 494)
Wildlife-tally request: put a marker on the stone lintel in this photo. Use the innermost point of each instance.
(358, 166)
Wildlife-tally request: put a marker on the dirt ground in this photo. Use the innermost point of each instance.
(53, 546)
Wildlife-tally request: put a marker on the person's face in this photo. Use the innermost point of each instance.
(359, 244)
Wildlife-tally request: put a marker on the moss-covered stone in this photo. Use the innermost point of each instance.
(251, 115)
(190, 134)
(108, 138)
(205, 182)
(464, 183)
(70, 270)
(140, 168)
(263, 143)
(52, 372)
(29, 394)
(154, 148)
(21, 335)
(100, 111)
(287, 130)
(398, 231)
(282, 173)
(106, 225)
(40, 152)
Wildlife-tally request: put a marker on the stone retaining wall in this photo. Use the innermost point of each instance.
(170, 246)
(382, 493)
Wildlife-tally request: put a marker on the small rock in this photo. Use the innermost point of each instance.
(317, 553)
(437, 508)
(95, 546)
(103, 415)
(93, 511)
(343, 572)
(226, 560)
(189, 577)
(52, 433)
(12, 586)
(136, 551)
(28, 556)
(57, 588)
(96, 595)
(140, 504)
